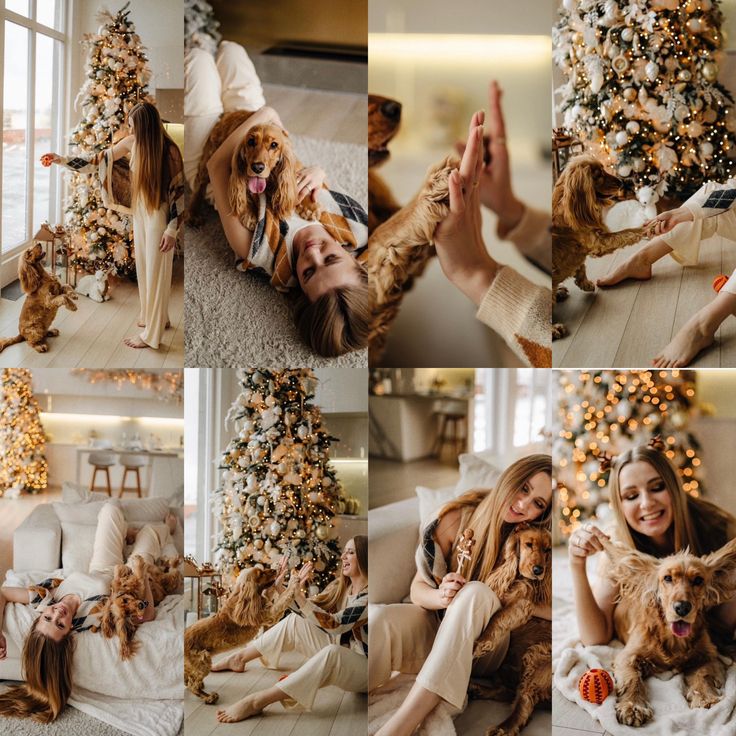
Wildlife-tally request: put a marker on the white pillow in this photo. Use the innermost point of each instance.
(140, 510)
(72, 493)
(79, 513)
(430, 501)
(135, 510)
(77, 542)
(478, 470)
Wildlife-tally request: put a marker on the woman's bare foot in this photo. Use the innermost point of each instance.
(233, 663)
(135, 342)
(634, 267)
(245, 708)
(695, 335)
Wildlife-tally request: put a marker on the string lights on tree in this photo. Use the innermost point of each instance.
(117, 78)
(279, 493)
(608, 412)
(22, 439)
(200, 26)
(641, 90)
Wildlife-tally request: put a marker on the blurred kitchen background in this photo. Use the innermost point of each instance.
(437, 59)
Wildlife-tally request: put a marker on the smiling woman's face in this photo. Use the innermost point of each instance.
(56, 620)
(645, 500)
(531, 500)
(322, 264)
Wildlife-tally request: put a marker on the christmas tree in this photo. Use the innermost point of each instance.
(641, 90)
(22, 439)
(609, 412)
(279, 492)
(200, 26)
(117, 77)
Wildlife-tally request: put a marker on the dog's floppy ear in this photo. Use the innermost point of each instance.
(245, 603)
(722, 564)
(238, 185)
(503, 575)
(633, 571)
(579, 201)
(283, 200)
(28, 273)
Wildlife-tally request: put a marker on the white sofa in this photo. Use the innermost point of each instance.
(37, 549)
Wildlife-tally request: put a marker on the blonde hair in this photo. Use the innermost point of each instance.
(152, 173)
(339, 321)
(697, 524)
(47, 670)
(488, 511)
(332, 596)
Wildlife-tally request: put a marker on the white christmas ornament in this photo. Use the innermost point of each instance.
(621, 138)
(651, 70)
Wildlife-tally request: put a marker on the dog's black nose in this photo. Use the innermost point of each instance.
(142, 604)
(258, 167)
(682, 608)
(391, 109)
(537, 569)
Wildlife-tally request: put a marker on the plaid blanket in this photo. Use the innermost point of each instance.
(272, 247)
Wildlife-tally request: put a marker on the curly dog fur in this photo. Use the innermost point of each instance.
(45, 294)
(384, 117)
(660, 618)
(578, 231)
(524, 678)
(265, 152)
(238, 621)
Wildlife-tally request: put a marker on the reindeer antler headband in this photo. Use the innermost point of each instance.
(606, 460)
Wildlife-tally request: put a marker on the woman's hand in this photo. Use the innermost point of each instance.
(448, 588)
(167, 243)
(585, 541)
(310, 180)
(282, 571)
(458, 239)
(666, 221)
(496, 191)
(305, 573)
(50, 158)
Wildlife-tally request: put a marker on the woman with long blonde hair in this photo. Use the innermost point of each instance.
(653, 514)
(329, 629)
(433, 636)
(158, 191)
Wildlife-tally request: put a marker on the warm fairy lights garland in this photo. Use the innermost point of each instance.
(167, 385)
(609, 411)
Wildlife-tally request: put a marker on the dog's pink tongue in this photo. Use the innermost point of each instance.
(256, 184)
(681, 628)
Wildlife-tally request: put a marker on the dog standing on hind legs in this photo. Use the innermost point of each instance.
(237, 622)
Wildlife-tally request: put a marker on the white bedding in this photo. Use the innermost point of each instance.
(142, 696)
(672, 716)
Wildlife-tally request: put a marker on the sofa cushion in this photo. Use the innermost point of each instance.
(77, 542)
(431, 500)
(477, 470)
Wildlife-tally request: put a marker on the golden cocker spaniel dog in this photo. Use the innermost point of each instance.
(660, 618)
(263, 162)
(578, 231)
(238, 621)
(45, 294)
(384, 117)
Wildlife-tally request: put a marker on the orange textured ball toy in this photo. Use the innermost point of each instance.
(719, 282)
(595, 686)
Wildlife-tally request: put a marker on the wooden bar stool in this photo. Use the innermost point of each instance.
(452, 426)
(101, 461)
(132, 463)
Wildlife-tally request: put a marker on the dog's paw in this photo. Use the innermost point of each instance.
(41, 347)
(52, 332)
(561, 293)
(701, 699)
(558, 331)
(633, 714)
(586, 285)
(436, 188)
(211, 698)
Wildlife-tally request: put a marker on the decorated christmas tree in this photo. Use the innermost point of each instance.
(609, 412)
(117, 76)
(22, 439)
(641, 89)
(200, 26)
(279, 493)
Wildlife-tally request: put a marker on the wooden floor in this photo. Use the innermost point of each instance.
(569, 719)
(625, 326)
(92, 337)
(335, 712)
(336, 116)
(392, 481)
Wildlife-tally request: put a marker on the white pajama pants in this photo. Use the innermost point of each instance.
(685, 239)
(153, 272)
(409, 639)
(327, 663)
(110, 540)
(212, 87)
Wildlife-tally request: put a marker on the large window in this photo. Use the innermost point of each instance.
(32, 45)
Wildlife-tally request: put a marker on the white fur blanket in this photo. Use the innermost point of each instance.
(142, 696)
(385, 700)
(672, 716)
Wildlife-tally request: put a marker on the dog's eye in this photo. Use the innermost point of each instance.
(667, 578)
(251, 142)
(529, 544)
(274, 144)
(697, 580)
